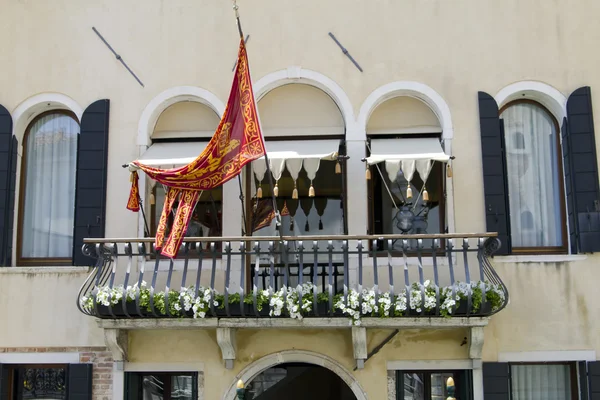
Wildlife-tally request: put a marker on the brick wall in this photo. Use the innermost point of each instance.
(100, 357)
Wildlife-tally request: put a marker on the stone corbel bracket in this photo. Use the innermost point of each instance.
(359, 345)
(227, 343)
(476, 343)
(116, 341)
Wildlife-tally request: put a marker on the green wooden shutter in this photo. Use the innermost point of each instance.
(496, 381)
(4, 377)
(581, 173)
(79, 382)
(90, 189)
(593, 369)
(8, 174)
(495, 185)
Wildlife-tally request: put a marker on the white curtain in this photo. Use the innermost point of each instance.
(50, 161)
(533, 176)
(541, 382)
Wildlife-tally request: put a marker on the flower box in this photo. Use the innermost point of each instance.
(323, 311)
(485, 309)
(235, 311)
(118, 311)
(415, 313)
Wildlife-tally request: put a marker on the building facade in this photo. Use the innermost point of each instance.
(440, 155)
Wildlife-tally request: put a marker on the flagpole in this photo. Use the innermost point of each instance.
(268, 164)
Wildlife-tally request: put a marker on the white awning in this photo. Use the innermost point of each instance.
(294, 155)
(172, 154)
(406, 149)
(408, 155)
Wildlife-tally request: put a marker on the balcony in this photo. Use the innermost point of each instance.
(313, 281)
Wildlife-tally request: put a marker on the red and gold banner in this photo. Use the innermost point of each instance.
(133, 203)
(237, 141)
(264, 214)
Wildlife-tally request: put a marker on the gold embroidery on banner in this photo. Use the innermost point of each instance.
(187, 203)
(170, 198)
(209, 170)
(133, 203)
(222, 159)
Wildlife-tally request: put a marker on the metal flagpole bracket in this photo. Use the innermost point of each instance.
(118, 57)
(345, 51)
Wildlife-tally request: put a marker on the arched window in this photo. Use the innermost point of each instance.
(535, 184)
(48, 189)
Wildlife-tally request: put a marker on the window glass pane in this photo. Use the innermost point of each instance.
(153, 387)
(533, 176)
(395, 203)
(414, 386)
(161, 386)
(438, 385)
(42, 383)
(541, 382)
(50, 162)
(319, 215)
(182, 387)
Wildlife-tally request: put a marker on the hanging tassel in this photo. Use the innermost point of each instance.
(368, 174)
(152, 199)
(295, 193)
(448, 170)
(338, 168)
(292, 224)
(306, 227)
(425, 195)
(311, 191)
(259, 193)
(409, 192)
(276, 190)
(131, 178)
(320, 224)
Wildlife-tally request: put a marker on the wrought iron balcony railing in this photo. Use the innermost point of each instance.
(298, 277)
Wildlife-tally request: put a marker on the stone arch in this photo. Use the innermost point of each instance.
(25, 112)
(540, 92)
(301, 356)
(169, 97)
(312, 78)
(435, 102)
(411, 89)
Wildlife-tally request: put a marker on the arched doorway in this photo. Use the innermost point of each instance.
(296, 381)
(298, 357)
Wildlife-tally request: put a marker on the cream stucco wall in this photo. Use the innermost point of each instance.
(191, 346)
(455, 48)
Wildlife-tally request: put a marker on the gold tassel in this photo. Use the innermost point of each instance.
(425, 195)
(338, 168)
(295, 194)
(259, 193)
(409, 193)
(276, 190)
(448, 170)
(368, 174)
(152, 199)
(311, 191)
(131, 177)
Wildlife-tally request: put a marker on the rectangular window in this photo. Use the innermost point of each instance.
(543, 381)
(431, 385)
(161, 386)
(389, 202)
(309, 195)
(46, 382)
